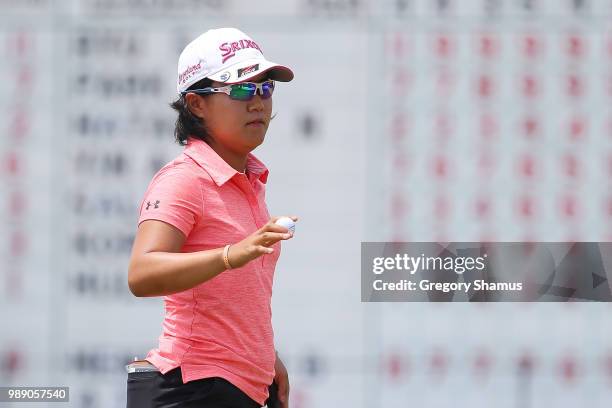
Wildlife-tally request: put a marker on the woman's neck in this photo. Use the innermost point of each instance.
(236, 160)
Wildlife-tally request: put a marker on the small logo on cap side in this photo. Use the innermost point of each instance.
(225, 76)
(190, 72)
(247, 70)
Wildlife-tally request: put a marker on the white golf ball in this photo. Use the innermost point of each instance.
(287, 223)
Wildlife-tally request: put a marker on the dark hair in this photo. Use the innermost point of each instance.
(188, 124)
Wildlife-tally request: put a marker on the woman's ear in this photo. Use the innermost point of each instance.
(196, 105)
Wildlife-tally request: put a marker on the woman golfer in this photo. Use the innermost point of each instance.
(206, 241)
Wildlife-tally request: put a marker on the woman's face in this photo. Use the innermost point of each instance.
(240, 126)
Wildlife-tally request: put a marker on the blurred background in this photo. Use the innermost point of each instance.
(408, 120)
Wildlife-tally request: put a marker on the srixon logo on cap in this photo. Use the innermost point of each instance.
(247, 70)
(229, 49)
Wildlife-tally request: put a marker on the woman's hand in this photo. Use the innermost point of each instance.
(258, 243)
(282, 381)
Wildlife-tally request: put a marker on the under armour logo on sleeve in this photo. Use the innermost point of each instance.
(156, 204)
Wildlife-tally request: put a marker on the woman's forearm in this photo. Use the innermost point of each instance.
(165, 273)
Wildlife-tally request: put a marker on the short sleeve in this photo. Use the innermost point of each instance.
(175, 197)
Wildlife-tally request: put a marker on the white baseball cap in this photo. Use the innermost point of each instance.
(225, 55)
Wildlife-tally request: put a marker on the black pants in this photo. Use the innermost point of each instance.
(153, 389)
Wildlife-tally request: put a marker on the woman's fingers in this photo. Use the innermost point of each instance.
(269, 238)
(264, 250)
(273, 228)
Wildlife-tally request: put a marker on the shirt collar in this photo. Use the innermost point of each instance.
(219, 170)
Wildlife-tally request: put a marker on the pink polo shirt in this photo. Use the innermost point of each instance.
(222, 327)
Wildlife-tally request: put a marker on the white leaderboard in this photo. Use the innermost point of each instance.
(408, 120)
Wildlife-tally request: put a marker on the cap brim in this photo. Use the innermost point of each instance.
(245, 70)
